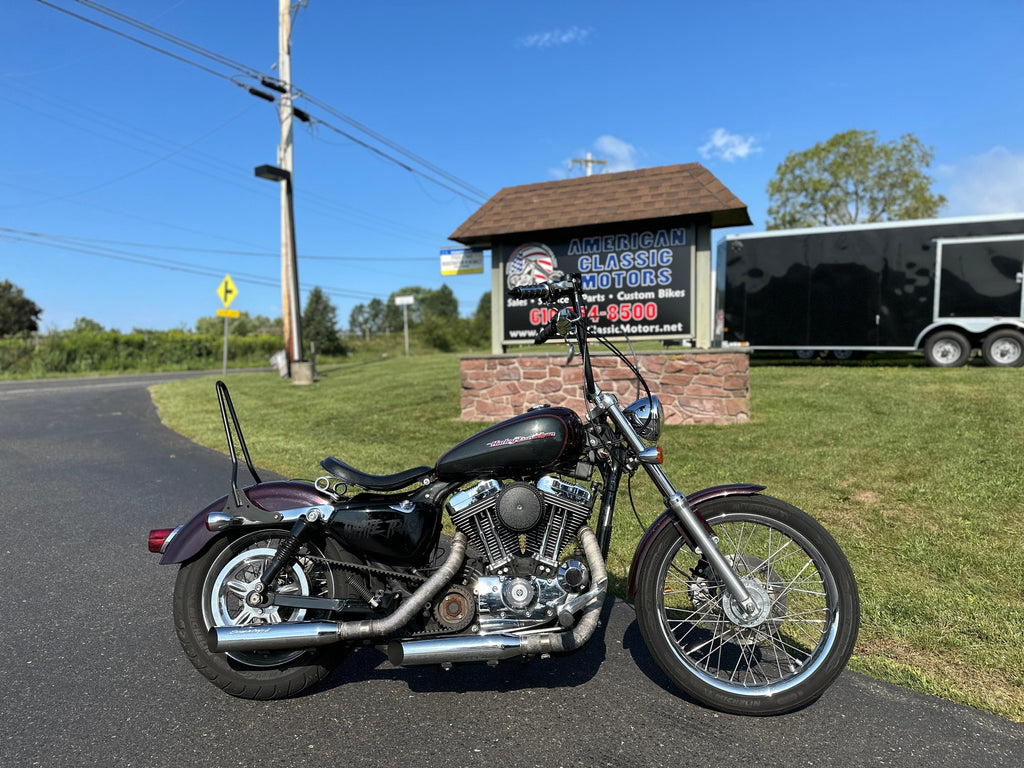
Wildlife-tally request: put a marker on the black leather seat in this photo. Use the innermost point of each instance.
(352, 476)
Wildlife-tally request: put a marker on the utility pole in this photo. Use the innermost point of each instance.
(587, 162)
(289, 261)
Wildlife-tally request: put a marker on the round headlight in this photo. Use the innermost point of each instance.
(646, 416)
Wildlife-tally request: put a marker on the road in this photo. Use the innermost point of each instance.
(93, 676)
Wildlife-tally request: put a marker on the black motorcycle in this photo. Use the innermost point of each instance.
(744, 601)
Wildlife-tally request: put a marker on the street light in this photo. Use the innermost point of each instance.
(289, 263)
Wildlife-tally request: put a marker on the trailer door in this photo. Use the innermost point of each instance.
(979, 277)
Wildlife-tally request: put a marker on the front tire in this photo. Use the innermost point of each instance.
(209, 592)
(797, 641)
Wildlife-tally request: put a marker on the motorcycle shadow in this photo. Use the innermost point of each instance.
(566, 671)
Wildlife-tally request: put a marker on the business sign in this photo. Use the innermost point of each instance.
(462, 261)
(635, 283)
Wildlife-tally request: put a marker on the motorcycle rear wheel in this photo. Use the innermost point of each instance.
(797, 641)
(209, 592)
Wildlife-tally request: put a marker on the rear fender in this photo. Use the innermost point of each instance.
(272, 497)
(668, 518)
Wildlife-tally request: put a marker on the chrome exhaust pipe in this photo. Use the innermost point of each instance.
(453, 650)
(272, 637)
(303, 634)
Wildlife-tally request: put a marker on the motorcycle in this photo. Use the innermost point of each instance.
(745, 602)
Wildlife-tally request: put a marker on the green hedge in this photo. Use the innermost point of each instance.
(110, 351)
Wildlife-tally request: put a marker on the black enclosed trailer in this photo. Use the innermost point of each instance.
(941, 286)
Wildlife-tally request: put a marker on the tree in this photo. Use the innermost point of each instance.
(852, 178)
(319, 323)
(18, 314)
(480, 323)
(86, 325)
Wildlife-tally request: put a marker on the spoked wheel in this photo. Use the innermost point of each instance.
(210, 592)
(801, 633)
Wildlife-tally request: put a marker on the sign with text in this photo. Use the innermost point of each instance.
(462, 261)
(635, 283)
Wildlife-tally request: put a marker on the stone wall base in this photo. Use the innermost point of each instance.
(695, 387)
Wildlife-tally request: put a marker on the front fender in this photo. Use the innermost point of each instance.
(668, 518)
(273, 497)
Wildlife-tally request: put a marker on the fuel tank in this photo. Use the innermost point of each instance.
(541, 440)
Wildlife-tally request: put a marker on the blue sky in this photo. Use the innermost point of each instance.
(118, 157)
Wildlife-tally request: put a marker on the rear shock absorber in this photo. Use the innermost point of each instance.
(286, 552)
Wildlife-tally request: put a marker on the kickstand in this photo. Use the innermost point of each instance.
(226, 406)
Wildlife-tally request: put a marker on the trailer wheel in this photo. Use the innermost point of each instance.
(947, 349)
(1004, 348)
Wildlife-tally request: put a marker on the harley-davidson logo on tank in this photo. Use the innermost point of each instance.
(635, 283)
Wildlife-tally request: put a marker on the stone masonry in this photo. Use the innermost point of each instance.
(695, 387)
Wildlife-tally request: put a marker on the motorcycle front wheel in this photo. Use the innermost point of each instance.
(790, 649)
(210, 591)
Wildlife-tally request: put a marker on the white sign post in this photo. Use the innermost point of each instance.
(404, 302)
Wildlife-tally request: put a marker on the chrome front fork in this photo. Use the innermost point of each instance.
(706, 545)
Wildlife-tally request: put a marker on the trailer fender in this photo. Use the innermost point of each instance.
(973, 326)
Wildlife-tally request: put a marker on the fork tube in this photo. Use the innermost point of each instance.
(611, 476)
(679, 506)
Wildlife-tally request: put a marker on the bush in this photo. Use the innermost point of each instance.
(90, 351)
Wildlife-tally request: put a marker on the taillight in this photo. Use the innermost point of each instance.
(159, 537)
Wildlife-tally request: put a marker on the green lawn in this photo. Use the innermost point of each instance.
(916, 471)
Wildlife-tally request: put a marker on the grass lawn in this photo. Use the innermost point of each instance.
(918, 472)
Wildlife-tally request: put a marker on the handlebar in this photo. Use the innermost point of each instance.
(570, 287)
(547, 291)
(553, 289)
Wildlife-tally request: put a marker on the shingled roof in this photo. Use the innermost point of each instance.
(610, 198)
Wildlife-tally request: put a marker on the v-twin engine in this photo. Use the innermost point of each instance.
(507, 523)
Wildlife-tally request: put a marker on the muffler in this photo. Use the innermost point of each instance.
(453, 650)
(272, 637)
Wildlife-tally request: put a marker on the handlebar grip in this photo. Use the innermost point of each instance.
(530, 291)
(553, 289)
(545, 333)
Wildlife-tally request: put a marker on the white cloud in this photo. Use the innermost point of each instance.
(555, 38)
(618, 155)
(728, 146)
(621, 156)
(989, 183)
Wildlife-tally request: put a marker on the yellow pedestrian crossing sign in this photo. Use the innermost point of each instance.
(227, 291)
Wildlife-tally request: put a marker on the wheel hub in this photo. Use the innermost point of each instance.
(1006, 351)
(762, 606)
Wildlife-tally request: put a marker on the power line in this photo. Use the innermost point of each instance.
(218, 251)
(467, 191)
(69, 244)
(126, 36)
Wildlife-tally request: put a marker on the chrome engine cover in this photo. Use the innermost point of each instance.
(484, 513)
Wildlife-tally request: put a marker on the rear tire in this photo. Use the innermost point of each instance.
(208, 593)
(796, 643)
(1004, 349)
